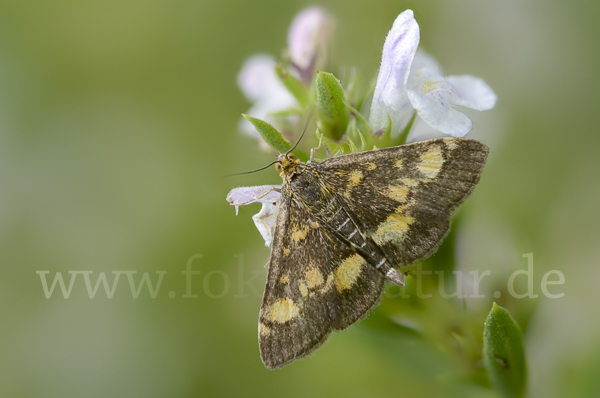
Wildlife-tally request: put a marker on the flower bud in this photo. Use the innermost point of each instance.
(333, 114)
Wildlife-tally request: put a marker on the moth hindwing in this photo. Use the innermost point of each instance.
(347, 225)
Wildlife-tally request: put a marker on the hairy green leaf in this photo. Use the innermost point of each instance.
(503, 353)
(332, 112)
(271, 136)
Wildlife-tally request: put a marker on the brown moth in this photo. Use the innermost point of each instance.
(346, 226)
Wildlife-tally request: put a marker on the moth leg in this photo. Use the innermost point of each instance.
(313, 150)
(261, 195)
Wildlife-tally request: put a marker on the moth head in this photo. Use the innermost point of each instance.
(286, 162)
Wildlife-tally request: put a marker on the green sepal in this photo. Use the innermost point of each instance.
(355, 135)
(293, 85)
(353, 148)
(360, 129)
(503, 353)
(366, 127)
(332, 113)
(363, 142)
(387, 132)
(269, 134)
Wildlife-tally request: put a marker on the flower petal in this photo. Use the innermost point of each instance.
(309, 35)
(432, 96)
(421, 131)
(424, 62)
(245, 195)
(390, 97)
(434, 108)
(471, 92)
(265, 219)
(257, 77)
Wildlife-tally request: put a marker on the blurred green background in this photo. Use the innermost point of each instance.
(118, 120)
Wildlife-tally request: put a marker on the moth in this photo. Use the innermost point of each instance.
(349, 224)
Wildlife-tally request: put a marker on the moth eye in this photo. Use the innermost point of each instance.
(278, 167)
(292, 157)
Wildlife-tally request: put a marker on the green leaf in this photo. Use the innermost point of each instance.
(332, 113)
(503, 353)
(294, 86)
(271, 136)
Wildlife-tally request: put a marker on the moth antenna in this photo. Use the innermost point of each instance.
(279, 161)
(253, 171)
(302, 135)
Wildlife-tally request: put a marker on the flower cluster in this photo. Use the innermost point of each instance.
(410, 80)
(409, 84)
(278, 91)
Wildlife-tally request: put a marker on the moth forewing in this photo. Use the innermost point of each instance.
(349, 223)
(407, 194)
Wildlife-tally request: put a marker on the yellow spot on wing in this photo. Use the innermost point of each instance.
(393, 228)
(313, 278)
(283, 310)
(286, 251)
(298, 234)
(353, 180)
(263, 330)
(347, 273)
(372, 166)
(402, 208)
(397, 192)
(303, 289)
(431, 162)
(409, 182)
(284, 279)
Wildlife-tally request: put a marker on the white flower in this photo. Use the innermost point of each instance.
(308, 38)
(270, 199)
(261, 85)
(309, 35)
(410, 80)
(390, 97)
